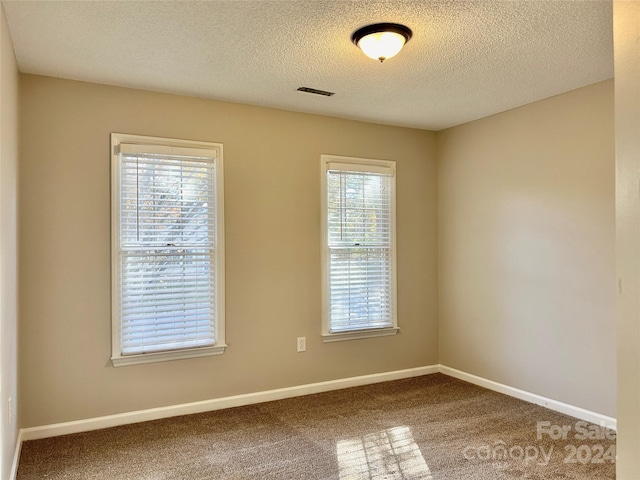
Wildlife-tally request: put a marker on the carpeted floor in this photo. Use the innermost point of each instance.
(428, 428)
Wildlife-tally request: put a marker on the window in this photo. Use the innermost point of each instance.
(167, 249)
(359, 254)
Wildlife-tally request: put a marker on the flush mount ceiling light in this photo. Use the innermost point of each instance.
(381, 40)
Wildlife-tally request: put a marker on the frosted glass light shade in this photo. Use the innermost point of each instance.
(382, 40)
(381, 45)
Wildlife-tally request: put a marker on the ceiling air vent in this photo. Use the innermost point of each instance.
(315, 91)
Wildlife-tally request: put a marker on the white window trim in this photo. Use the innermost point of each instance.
(117, 358)
(352, 163)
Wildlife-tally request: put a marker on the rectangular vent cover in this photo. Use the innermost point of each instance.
(315, 91)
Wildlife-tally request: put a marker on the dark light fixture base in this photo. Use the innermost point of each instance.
(382, 27)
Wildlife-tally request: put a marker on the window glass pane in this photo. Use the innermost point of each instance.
(359, 209)
(166, 300)
(359, 236)
(167, 252)
(166, 201)
(360, 290)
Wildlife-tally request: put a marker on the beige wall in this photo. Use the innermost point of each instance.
(526, 248)
(627, 104)
(272, 208)
(8, 244)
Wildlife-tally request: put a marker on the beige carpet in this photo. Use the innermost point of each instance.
(429, 428)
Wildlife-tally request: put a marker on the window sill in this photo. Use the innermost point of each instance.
(124, 360)
(359, 334)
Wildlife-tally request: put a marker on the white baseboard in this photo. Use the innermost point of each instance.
(16, 456)
(549, 403)
(34, 433)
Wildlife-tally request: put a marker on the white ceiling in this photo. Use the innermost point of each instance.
(466, 60)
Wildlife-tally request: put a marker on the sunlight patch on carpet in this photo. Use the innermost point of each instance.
(389, 454)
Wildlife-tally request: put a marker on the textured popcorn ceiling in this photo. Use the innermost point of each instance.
(466, 60)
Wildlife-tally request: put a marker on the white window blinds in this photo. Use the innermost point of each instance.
(360, 240)
(167, 248)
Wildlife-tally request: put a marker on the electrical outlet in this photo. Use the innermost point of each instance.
(302, 344)
(9, 411)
